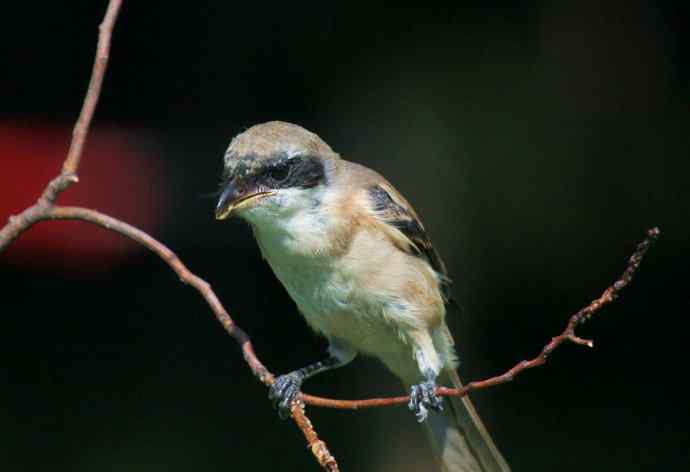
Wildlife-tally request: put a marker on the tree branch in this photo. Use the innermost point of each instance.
(568, 335)
(17, 224)
(170, 258)
(45, 209)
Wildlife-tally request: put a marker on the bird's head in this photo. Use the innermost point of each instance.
(273, 169)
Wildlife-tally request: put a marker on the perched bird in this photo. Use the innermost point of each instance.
(356, 260)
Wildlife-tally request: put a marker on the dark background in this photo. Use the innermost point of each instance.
(537, 141)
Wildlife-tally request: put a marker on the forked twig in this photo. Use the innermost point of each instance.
(17, 224)
(45, 209)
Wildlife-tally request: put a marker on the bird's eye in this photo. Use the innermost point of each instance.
(279, 173)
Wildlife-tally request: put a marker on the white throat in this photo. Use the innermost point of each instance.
(294, 225)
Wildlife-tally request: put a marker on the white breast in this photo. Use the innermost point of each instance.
(297, 249)
(348, 297)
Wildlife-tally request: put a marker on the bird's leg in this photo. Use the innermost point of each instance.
(423, 395)
(286, 387)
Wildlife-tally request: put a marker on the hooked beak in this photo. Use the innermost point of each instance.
(234, 197)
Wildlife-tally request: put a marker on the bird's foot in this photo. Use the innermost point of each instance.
(284, 391)
(422, 398)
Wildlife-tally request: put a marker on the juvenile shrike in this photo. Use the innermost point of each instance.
(356, 260)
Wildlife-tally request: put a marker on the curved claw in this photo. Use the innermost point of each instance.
(423, 398)
(283, 392)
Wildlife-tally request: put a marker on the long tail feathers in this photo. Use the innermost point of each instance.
(459, 438)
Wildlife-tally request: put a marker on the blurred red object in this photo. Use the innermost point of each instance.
(115, 178)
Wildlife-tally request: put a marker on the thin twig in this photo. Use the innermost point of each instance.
(568, 335)
(318, 447)
(100, 64)
(170, 258)
(17, 224)
(45, 208)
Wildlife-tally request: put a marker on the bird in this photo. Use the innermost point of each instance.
(355, 258)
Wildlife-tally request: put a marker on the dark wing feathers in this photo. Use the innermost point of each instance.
(393, 210)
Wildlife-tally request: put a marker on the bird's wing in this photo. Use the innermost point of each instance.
(405, 229)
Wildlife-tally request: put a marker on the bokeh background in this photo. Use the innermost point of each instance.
(538, 141)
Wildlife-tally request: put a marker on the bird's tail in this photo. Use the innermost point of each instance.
(459, 438)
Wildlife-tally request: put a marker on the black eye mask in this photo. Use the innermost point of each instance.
(297, 172)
